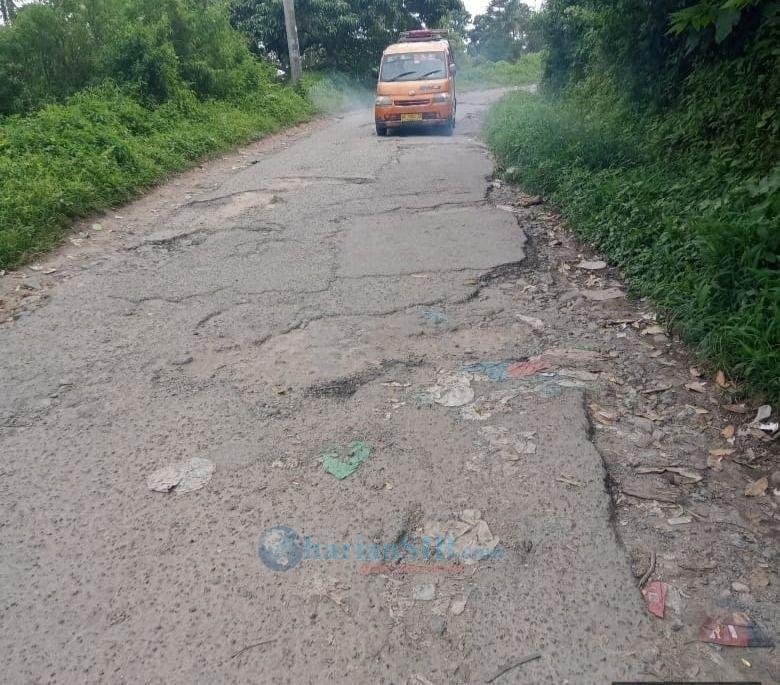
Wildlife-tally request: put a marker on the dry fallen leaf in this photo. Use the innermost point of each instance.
(695, 387)
(721, 452)
(737, 408)
(695, 373)
(757, 488)
(720, 379)
(728, 432)
(654, 330)
(714, 462)
(759, 577)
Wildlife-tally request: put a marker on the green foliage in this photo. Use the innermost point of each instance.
(475, 73)
(659, 138)
(693, 223)
(117, 94)
(339, 35)
(155, 47)
(506, 30)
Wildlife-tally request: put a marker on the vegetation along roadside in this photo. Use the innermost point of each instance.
(656, 134)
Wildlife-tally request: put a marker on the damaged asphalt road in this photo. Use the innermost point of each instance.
(255, 316)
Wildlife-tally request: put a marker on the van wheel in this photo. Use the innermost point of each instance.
(381, 130)
(449, 127)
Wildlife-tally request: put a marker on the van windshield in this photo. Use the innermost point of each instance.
(413, 66)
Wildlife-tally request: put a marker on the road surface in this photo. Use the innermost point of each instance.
(315, 290)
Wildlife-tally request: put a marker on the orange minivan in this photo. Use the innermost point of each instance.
(416, 85)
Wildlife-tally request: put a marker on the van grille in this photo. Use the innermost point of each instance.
(412, 103)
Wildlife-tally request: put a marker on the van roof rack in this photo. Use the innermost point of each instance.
(420, 35)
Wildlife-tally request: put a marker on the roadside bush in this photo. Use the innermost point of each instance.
(476, 72)
(693, 222)
(102, 146)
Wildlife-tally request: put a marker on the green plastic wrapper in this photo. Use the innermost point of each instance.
(343, 463)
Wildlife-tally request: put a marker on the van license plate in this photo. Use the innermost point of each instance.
(411, 117)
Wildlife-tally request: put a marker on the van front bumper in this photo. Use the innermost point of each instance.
(394, 116)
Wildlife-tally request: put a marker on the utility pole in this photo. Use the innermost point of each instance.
(292, 40)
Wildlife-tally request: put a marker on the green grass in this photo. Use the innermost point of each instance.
(693, 225)
(101, 147)
(474, 74)
(333, 92)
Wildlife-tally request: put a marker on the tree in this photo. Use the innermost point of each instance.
(7, 10)
(505, 31)
(347, 35)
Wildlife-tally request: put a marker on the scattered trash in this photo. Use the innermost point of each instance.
(434, 316)
(495, 371)
(527, 368)
(655, 597)
(467, 533)
(716, 456)
(423, 400)
(277, 390)
(424, 593)
(603, 416)
(182, 360)
(728, 432)
(737, 408)
(757, 488)
(530, 201)
(759, 578)
(549, 390)
(679, 520)
(183, 477)
(97, 227)
(499, 439)
(513, 665)
(654, 330)
(597, 265)
(471, 281)
(532, 321)
(475, 412)
(452, 390)
(762, 414)
(734, 630)
(690, 475)
(603, 295)
(343, 463)
(720, 380)
(458, 606)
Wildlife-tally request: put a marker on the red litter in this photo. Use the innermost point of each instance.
(655, 597)
(734, 630)
(529, 368)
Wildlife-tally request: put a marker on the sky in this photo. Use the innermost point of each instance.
(478, 6)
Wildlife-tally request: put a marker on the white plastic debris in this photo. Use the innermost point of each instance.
(452, 390)
(183, 477)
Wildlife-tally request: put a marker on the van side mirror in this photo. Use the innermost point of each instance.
(453, 69)
(375, 72)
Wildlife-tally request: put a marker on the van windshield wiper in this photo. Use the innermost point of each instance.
(403, 73)
(431, 73)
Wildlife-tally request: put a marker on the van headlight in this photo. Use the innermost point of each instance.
(383, 100)
(441, 97)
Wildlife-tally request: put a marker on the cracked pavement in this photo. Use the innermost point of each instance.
(255, 312)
